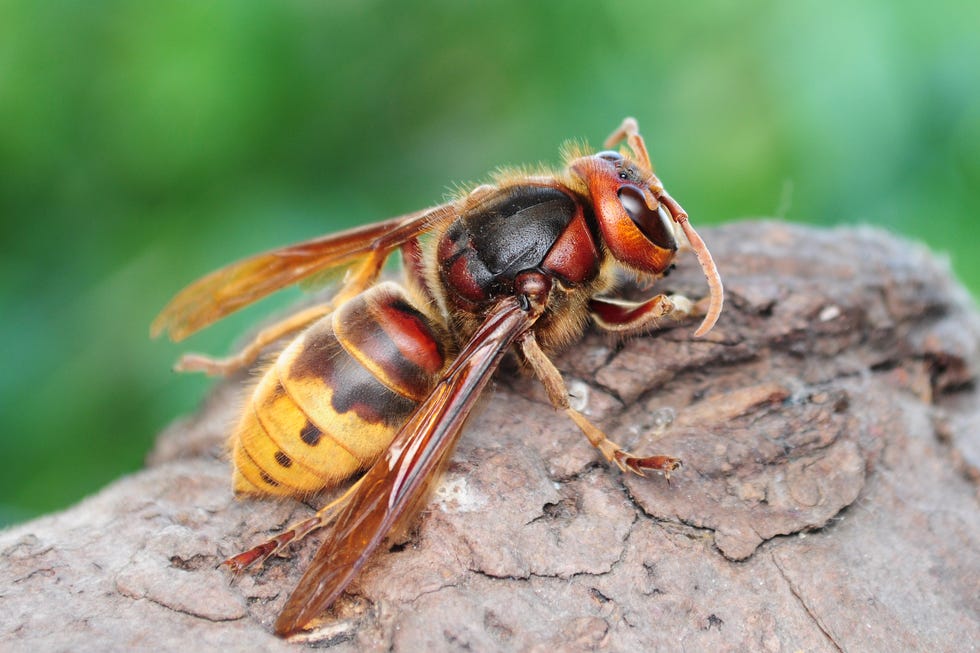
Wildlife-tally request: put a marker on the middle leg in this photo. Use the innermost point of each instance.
(553, 383)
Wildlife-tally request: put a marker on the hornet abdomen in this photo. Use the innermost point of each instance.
(337, 395)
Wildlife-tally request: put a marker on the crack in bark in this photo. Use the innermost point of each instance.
(806, 608)
(189, 613)
(45, 571)
(624, 545)
(532, 575)
(679, 521)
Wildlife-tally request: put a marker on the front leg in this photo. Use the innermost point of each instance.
(621, 316)
(549, 375)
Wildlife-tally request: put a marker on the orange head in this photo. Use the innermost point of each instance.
(636, 216)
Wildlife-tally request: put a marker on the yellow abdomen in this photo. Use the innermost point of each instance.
(336, 396)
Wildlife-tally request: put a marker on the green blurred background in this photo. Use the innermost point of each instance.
(143, 144)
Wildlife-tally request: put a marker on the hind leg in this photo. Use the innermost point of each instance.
(294, 533)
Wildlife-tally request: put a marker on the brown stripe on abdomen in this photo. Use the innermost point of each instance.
(402, 347)
(323, 367)
(358, 386)
(356, 389)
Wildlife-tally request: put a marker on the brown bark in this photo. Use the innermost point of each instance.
(830, 432)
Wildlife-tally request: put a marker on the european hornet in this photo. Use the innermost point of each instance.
(382, 377)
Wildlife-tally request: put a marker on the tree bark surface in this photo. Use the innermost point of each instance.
(830, 432)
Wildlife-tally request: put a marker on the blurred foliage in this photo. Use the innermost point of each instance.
(143, 144)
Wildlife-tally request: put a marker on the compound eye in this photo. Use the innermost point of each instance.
(610, 155)
(657, 225)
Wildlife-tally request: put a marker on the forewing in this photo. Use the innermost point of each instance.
(400, 478)
(239, 284)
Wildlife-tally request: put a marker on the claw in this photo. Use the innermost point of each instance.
(635, 464)
(259, 554)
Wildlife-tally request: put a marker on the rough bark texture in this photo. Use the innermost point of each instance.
(830, 432)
